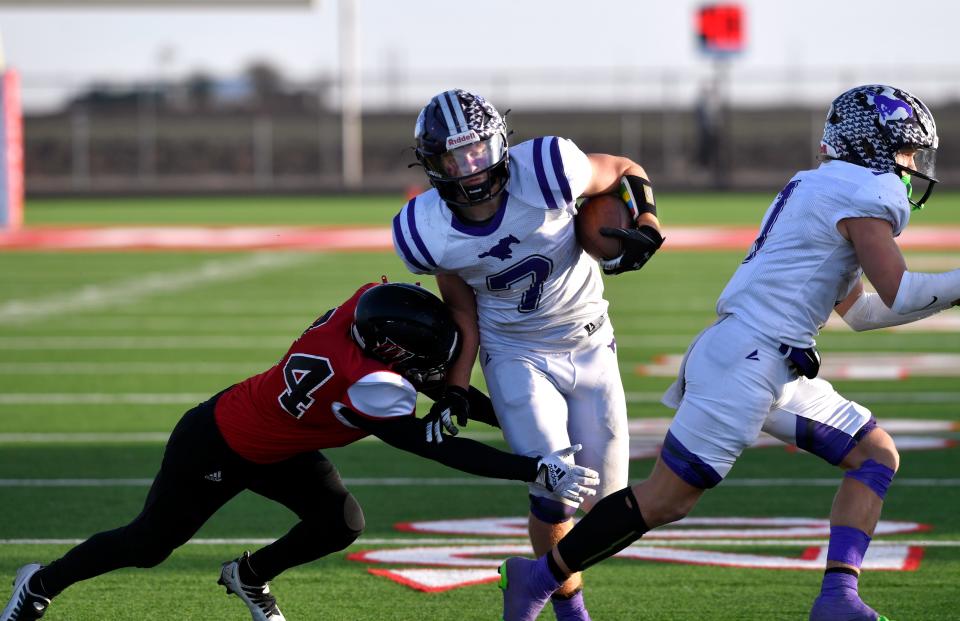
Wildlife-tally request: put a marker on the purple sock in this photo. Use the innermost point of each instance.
(541, 577)
(835, 583)
(847, 545)
(570, 608)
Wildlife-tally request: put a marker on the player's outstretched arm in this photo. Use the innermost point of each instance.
(902, 296)
(555, 472)
(453, 401)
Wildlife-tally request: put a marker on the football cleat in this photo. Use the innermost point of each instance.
(848, 607)
(524, 592)
(24, 605)
(257, 597)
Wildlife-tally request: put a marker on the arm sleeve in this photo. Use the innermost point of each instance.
(870, 313)
(921, 291)
(407, 433)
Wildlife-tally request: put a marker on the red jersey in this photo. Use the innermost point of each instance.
(291, 407)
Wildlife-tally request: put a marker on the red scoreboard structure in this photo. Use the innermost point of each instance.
(721, 28)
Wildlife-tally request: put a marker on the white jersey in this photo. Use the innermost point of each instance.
(800, 267)
(534, 285)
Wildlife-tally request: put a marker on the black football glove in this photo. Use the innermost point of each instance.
(453, 403)
(638, 246)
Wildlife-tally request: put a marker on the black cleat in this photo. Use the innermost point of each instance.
(25, 605)
(262, 605)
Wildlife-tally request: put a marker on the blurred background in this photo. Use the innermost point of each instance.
(301, 96)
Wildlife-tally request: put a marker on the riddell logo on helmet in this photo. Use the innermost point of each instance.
(458, 140)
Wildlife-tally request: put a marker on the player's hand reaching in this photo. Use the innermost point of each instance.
(638, 246)
(557, 473)
(452, 404)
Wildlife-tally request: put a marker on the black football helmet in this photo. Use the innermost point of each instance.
(462, 145)
(408, 328)
(868, 125)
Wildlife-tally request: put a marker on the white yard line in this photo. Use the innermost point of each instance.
(96, 398)
(422, 541)
(864, 397)
(138, 398)
(178, 342)
(83, 438)
(97, 296)
(129, 368)
(473, 482)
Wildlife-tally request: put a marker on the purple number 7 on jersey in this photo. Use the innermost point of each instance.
(772, 219)
(535, 267)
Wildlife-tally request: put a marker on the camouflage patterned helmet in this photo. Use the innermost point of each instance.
(462, 145)
(868, 125)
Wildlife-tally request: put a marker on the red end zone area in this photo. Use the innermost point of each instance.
(321, 239)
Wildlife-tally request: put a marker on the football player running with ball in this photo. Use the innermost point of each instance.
(755, 368)
(497, 230)
(354, 372)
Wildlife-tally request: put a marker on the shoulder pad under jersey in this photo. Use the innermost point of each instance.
(420, 232)
(549, 172)
(883, 196)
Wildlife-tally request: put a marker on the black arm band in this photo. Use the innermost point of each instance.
(641, 191)
(463, 454)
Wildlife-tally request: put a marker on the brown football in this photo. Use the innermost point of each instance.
(605, 210)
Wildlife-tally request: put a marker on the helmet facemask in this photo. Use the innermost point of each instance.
(924, 169)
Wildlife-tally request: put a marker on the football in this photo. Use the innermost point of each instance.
(594, 213)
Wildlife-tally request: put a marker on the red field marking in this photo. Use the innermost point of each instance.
(198, 238)
(443, 567)
(217, 238)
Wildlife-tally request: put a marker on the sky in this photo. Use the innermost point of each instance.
(599, 52)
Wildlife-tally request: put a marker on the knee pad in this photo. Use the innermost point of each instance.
(874, 475)
(353, 519)
(550, 511)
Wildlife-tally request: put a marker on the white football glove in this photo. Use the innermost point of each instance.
(434, 424)
(557, 473)
(454, 402)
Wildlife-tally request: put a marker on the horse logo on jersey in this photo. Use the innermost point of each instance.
(889, 107)
(502, 249)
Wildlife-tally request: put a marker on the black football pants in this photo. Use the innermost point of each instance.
(199, 474)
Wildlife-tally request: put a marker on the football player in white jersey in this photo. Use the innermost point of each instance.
(755, 368)
(497, 231)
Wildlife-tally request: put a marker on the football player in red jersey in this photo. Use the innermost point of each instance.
(354, 372)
